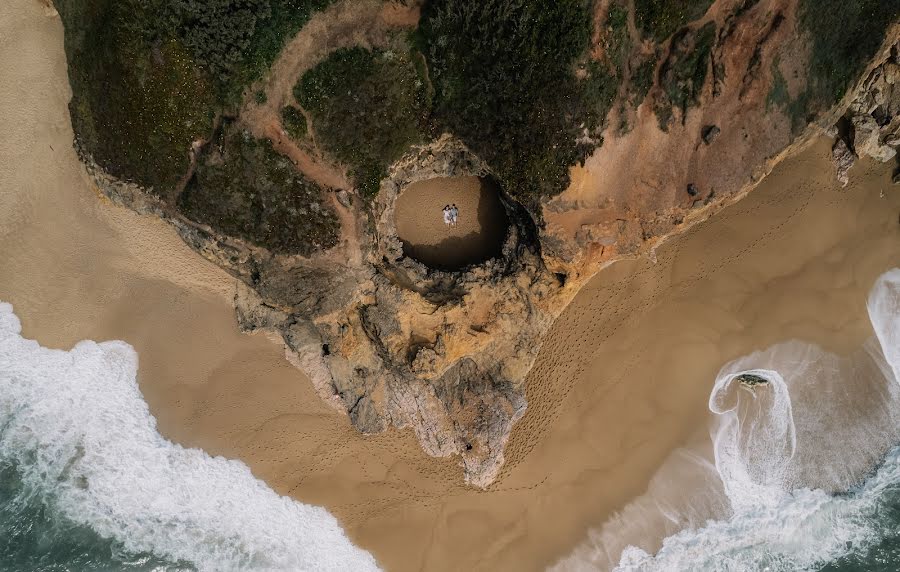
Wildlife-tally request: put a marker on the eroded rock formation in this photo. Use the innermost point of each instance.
(871, 124)
(394, 343)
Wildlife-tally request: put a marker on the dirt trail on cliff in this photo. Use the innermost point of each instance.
(366, 23)
(622, 380)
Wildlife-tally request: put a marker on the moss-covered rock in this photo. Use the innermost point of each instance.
(751, 380)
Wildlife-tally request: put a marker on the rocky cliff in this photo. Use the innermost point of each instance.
(394, 343)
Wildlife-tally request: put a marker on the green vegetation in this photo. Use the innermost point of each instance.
(503, 73)
(618, 40)
(797, 109)
(149, 76)
(244, 188)
(367, 108)
(659, 19)
(844, 36)
(598, 91)
(684, 72)
(294, 122)
(138, 99)
(236, 41)
(778, 93)
(641, 81)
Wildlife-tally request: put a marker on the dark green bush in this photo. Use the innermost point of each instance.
(244, 188)
(659, 19)
(138, 98)
(503, 73)
(149, 76)
(618, 40)
(237, 40)
(684, 72)
(218, 32)
(641, 81)
(294, 122)
(845, 35)
(598, 89)
(367, 108)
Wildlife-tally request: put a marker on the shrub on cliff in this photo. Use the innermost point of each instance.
(244, 188)
(138, 98)
(366, 108)
(683, 73)
(844, 36)
(659, 19)
(503, 73)
(149, 76)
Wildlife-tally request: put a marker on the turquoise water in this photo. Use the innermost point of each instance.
(33, 538)
(87, 482)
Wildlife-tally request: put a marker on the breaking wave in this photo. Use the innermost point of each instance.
(800, 472)
(81, 444)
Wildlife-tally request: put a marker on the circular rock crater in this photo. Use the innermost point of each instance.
(477, 236)
(415, 250)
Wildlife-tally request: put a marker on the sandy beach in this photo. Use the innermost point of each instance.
(478, 234)
(622, 380)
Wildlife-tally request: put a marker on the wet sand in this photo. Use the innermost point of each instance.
(478, 234)
(622, 380)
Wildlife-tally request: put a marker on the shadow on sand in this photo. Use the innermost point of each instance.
(457, 252)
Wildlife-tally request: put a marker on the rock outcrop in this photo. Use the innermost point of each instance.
(394, 343)
(874, 114)
(843, 159)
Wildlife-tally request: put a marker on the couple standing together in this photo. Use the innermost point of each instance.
(451, 215)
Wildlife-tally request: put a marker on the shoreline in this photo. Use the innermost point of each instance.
(622, 380)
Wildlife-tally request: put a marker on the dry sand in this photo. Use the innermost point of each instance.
(622, 380)
(478, 234)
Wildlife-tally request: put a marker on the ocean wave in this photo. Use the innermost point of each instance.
(75, 426)
(795, 429)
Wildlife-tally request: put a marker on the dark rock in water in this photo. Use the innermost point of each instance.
(692, 190)
(751, 380)
(710, 133)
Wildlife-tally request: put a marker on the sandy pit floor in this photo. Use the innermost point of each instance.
(622, 380)
(478, 235)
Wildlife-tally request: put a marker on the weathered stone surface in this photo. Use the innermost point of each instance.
(867, 139)
(843, 159)
(710, 133)
(874, 112)
(752, 380)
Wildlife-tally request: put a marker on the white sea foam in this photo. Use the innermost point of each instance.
(75, 425)
(780, 452)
